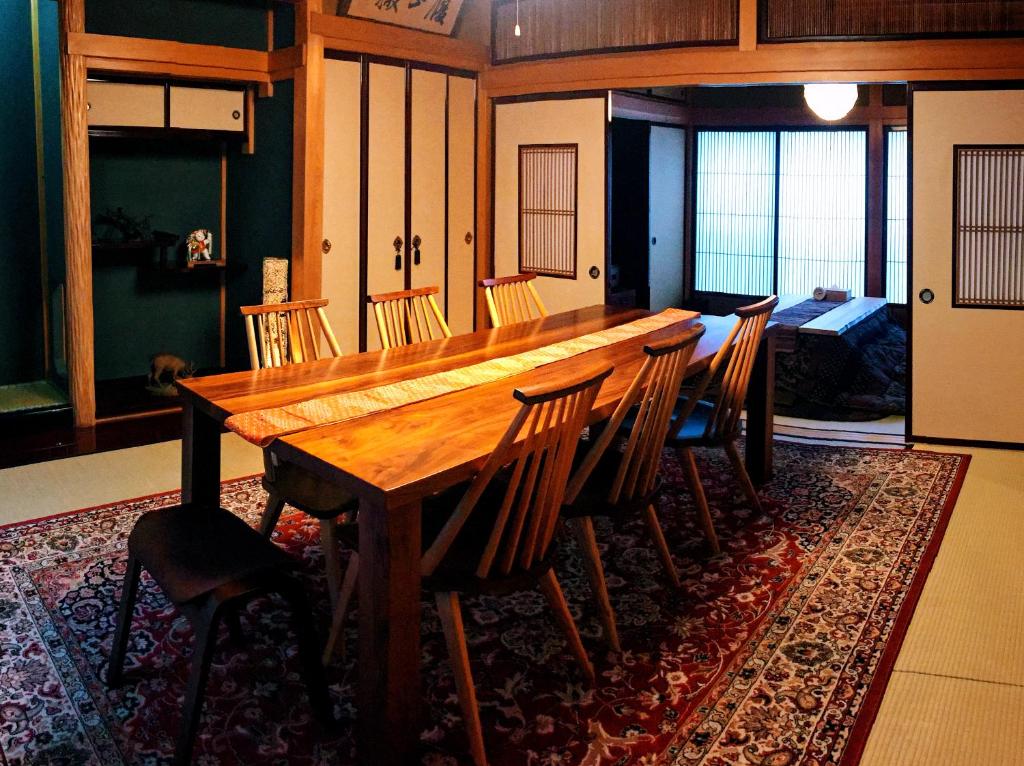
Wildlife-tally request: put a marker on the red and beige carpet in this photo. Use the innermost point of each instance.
(776, 652)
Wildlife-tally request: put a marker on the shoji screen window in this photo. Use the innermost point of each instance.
(896, 197)
(822, 210)
(735, 212)
(547, 209)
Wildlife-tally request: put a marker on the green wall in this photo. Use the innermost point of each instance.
(20, 298)
(259, 210)
(139, 310)
(233, 23)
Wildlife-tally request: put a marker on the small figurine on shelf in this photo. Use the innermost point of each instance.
(200, 246)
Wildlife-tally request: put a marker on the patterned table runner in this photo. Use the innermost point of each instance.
(261, 427)
(804, 312)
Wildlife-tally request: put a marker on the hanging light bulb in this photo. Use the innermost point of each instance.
(831, 101)
(518, 30)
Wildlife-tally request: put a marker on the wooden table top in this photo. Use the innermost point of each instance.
(410, 452)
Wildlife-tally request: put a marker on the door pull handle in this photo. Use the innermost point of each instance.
(416, 242)
(398, 253)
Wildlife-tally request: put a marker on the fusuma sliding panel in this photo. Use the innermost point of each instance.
(340, 264)
(558, 27)
(427, 180)
(547, 209)
(579, 121)
(385, 262)
(829, 19)
(461, 203)
(965, 365)
(735, 204)
(988, 240)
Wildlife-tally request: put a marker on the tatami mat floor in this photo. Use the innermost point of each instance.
(957, 692)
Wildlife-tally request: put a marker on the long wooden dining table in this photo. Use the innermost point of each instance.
(394, 459)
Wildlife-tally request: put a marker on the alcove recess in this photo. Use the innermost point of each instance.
(159, 154)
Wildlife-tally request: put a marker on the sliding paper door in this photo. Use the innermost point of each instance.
(341, 200)
(967, 292)
(427, 178)
(461, 203)
(545, 138)
(386, 230)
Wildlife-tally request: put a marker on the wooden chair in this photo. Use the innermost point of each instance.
(288, 334)
(500, 536)
(512, 299)
(408, 316)
(612, 483)
(697, 423)
(209, 563)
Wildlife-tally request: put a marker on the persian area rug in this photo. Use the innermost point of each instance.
(775, 652)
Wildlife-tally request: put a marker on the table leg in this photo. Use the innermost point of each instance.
(761, 413)
(200, 458)
(389, 633)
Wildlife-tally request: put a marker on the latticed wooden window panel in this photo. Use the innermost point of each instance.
(825, 19)
(548, 175)
(564, 27)
(988, 236)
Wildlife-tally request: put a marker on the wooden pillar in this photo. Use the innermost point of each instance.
(308, 157)
(484, 201)
(876, 196)
(748, 25)
(77, 219)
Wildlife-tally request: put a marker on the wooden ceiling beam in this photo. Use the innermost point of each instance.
(118, 53)
(370, 37)
(878, 61)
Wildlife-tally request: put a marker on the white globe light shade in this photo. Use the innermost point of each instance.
(831, 101)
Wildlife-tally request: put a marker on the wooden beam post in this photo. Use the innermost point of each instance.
(484, 202)
(77, 219)
(308, 157)
(876, 180)
(748, 25)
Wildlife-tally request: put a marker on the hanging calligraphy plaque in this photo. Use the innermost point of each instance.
(428, 15)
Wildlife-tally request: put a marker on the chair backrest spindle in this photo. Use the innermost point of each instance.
(539, 444)
(408, 316)
(512, 299)
(287, 333)
(740, 348)
(653, 394)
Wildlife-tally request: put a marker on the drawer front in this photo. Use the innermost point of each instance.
(207, 109)
(128, 105)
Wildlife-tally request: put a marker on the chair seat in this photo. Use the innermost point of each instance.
(692, 434)
(593, 498)
(191, 550)
(457, 571)
(308, 492)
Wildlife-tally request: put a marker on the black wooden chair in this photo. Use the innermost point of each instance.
(611, 483)
(209, 563)
(699, 423)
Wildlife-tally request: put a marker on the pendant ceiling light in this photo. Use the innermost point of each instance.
(519, 31)
(831, 101)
